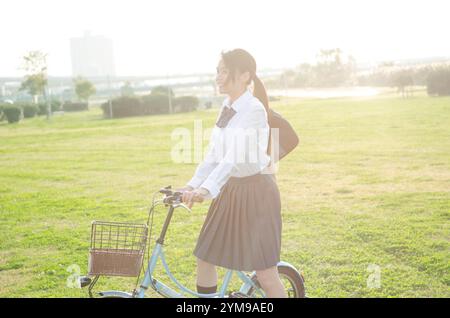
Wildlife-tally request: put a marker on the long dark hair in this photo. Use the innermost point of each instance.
(242, 61)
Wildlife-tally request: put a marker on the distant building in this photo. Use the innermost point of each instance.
(92, 56)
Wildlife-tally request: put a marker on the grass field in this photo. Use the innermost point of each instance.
(368, 186)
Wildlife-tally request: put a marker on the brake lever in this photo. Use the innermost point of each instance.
(184, 206)
(178, 203)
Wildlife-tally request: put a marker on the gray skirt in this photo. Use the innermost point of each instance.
(242, 230)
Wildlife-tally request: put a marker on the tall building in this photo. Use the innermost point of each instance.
(92, 56)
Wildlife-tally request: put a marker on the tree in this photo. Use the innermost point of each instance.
(84, 89)
(127, 89)
(35, 65)
(330, 69)
(403, 80)
(304, 75)
(164, 90)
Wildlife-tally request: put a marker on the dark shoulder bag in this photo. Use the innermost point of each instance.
(287, 137)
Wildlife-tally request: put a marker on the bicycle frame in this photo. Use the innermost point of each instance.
(166, 291)
(161, 288)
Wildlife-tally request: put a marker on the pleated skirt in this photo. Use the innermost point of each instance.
(242, 230)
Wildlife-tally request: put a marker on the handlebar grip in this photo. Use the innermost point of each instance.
(198, 199)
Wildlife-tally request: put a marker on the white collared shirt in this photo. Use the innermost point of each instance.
(237, 150)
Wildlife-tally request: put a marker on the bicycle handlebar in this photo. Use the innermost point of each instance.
(173, 197)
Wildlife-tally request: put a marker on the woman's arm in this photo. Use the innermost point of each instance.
(205, 167)
(255, 121)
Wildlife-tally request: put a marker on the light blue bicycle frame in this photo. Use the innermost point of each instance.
(166, 291)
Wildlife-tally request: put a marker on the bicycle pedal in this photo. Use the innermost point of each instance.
(238, 295)
(84, 281)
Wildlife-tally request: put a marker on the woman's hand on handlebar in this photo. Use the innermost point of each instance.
(197, 195)
(185, 188)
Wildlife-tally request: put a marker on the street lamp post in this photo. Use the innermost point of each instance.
(110, 98)
(47, 100)
(168, 92)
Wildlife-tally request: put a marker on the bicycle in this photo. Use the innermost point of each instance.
(118, 249)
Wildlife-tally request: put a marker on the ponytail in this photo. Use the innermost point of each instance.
(259, 91)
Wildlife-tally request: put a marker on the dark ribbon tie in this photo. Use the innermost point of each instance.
(225, 116)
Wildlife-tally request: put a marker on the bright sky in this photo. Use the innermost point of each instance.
(187, 36)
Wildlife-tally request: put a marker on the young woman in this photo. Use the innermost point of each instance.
(242, 229)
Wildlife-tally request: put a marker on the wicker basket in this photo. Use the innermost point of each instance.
(117, 249)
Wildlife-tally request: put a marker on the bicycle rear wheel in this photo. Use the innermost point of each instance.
(291, 279)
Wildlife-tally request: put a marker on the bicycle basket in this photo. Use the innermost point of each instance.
(117, 249)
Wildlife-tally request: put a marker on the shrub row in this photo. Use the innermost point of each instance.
(75, 107)
(13, 112)
(438, 81)
(2, 115)
(42, 107)
(152, 104)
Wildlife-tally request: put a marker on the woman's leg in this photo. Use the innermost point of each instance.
(271, 283)
(206, 277)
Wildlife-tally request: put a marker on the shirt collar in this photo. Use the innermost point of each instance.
(240, 102)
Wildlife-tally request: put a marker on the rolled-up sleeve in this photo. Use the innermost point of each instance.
(256, 120)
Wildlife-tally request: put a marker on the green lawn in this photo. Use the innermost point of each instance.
(369, 185)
